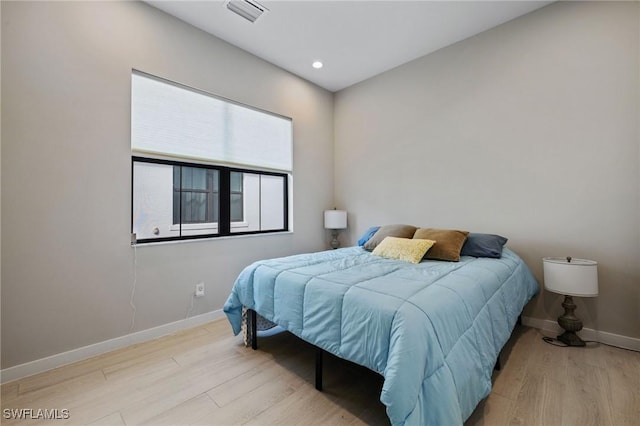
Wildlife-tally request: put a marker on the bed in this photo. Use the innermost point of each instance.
(433, 330)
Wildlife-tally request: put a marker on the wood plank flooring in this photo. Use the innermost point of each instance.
(205, 376)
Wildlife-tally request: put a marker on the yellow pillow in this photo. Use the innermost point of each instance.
(409, 250)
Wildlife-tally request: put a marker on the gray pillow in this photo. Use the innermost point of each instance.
(483, 245)
(398, 231)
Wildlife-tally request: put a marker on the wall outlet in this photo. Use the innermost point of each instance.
(200, 289)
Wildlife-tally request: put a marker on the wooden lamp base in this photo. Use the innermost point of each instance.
(570, 323)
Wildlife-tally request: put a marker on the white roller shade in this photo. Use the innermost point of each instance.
(171, 119)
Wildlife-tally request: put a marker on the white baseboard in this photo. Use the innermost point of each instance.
(40, 365)
(624, 342)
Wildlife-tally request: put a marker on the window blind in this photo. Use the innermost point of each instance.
(175, 120)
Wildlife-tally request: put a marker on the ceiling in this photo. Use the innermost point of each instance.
(354, 39)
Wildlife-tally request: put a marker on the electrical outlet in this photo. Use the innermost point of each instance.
(200, 289)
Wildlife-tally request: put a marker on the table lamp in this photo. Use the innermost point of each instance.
(335, 220)
(570, 277)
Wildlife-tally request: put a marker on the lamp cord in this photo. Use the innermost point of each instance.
(133, 288)
(556, 342)
(193, 296)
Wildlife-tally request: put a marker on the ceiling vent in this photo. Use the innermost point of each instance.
(248, 9)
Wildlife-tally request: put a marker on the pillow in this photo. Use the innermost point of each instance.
(483, 245)
(448, 243)
(399, 231)
(409, 250)
(367, 235)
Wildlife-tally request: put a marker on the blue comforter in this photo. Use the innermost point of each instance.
(433, 330)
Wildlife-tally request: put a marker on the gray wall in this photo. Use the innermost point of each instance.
(529, 130)
(67, 265)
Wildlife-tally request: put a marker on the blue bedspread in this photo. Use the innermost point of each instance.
(433, 330)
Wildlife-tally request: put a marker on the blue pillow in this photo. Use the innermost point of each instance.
(483, 245)
(367, 235)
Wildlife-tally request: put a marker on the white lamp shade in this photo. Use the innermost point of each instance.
(335, 219)
(579, 277)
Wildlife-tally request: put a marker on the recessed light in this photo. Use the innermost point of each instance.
(317, 65)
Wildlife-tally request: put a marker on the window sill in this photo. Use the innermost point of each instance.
(209, 239)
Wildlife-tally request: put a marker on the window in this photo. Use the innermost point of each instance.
(236, 197)
(204, 166)
(195, 195)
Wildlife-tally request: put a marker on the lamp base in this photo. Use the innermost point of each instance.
(334, 242)
(570, 324)
(570, 338)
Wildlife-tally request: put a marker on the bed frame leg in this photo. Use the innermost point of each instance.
(319, 369)
(253, 329)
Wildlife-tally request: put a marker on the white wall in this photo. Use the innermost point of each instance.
(529, 130)
(67, 264)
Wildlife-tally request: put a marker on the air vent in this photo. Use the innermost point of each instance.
(249, 10)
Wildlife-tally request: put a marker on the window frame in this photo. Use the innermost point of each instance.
(224, 223)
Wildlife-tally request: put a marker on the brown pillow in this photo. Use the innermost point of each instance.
(448, 244)
(398, 231)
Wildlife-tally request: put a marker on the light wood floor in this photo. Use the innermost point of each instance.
(206, 376)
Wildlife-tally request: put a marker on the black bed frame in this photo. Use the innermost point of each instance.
(253, 338)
